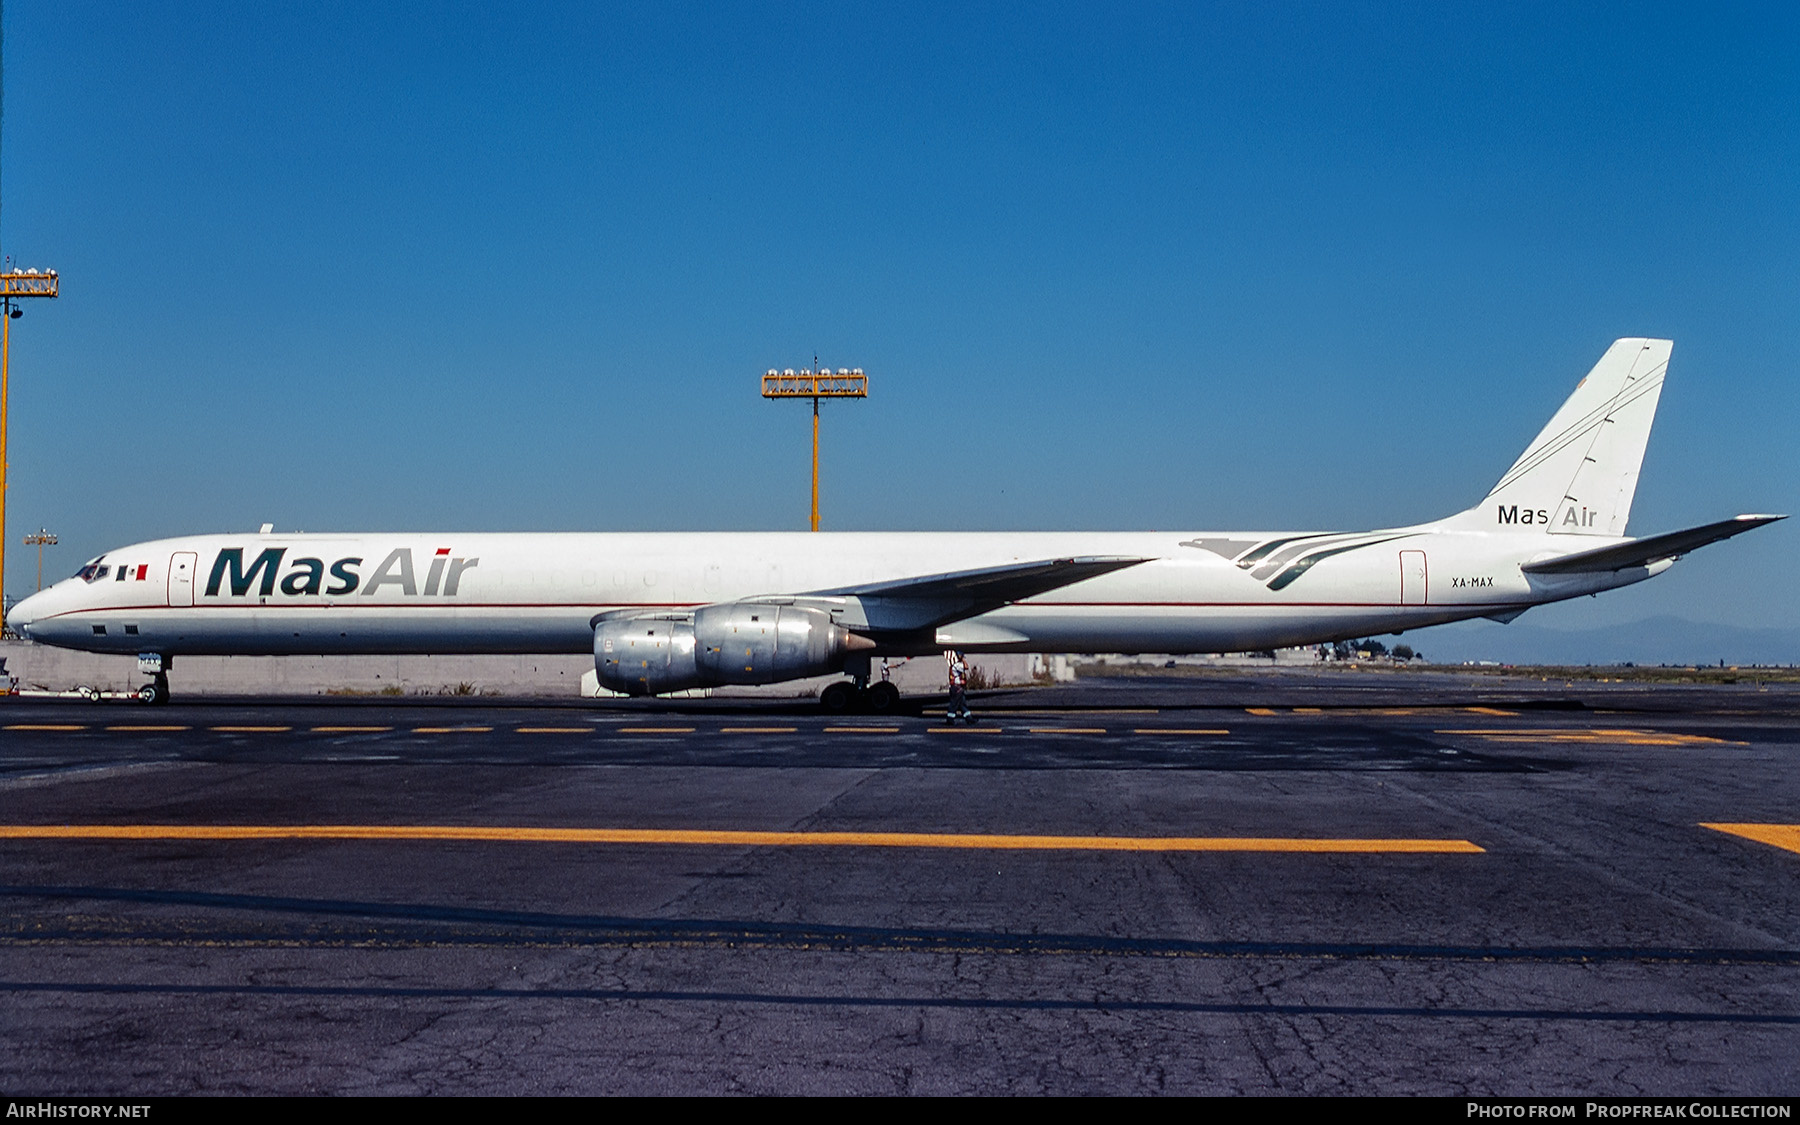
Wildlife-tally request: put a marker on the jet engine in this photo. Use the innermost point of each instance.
(646, 655)
(733, 643)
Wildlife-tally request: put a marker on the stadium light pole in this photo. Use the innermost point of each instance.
(815, 384)
(42, 538)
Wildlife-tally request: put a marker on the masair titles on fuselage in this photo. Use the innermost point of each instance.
(306, 575)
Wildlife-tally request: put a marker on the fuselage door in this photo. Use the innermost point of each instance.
(181, 577)
(1412, 577)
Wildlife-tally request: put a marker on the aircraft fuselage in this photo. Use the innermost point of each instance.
(539, 593)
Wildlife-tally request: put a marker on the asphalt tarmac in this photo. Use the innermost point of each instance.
(1331, 884)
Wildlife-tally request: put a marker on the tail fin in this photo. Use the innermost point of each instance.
(1580, 474)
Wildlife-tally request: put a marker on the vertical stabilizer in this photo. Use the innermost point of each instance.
(1579, 475)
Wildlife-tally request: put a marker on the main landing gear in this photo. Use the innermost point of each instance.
(858, 694)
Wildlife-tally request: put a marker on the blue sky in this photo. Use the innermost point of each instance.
(1190, 266)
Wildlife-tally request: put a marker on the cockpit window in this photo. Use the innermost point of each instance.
(92, 572)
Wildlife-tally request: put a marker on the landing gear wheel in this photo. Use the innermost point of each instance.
(838, 698)
(149, 694)
(882, 698)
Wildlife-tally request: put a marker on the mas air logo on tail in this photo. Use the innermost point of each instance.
(1573, 518)
(264, 576)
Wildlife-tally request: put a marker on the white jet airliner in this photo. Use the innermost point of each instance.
(668, 612)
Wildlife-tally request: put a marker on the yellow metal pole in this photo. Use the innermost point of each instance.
(815, 508)
(5, 357)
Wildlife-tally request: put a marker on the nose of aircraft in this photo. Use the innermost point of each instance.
(20, 616)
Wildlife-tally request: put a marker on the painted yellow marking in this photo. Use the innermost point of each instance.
(1309, 710)
(1259, 710)
(1605, 735)
(654, 730)
(862, 730)
(728, 838)
(250, 730)
(350, 730)
(1392, 711)
(451, 730)
(1065, 730)
(1785, 836)
(1488, 711)
(555, 730)
(45, 726)
(141, 727)
(757, 730)
(1180, 730)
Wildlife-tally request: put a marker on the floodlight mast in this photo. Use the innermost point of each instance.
(815, 384)
(15, 285)
(41, 538)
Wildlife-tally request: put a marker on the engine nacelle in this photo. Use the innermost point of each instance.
(646, 655)
(750, 643)
(734, 643)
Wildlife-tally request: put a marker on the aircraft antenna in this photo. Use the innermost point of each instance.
(815, 383)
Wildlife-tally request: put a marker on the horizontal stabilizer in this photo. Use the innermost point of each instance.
(1642, 552)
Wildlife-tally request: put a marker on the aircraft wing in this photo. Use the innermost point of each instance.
(934, 599)
(995, 585)
(1641, 552)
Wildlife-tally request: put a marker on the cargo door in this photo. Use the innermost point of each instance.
(1412, 577)
(181, 578)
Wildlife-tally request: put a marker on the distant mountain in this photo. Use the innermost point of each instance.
(1654, 640)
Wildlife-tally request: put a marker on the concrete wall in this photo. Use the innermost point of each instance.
(41, 666)
(55, 669)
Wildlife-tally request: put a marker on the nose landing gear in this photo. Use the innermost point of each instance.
(157, 665)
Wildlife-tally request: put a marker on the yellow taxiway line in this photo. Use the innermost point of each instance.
(728, 838)
(1785, 836)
